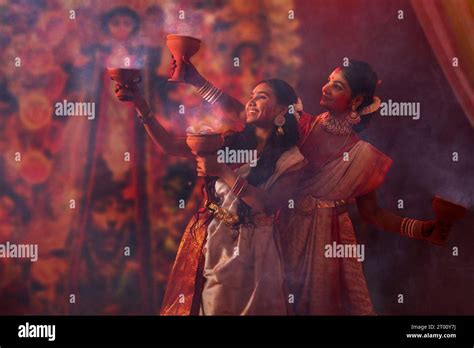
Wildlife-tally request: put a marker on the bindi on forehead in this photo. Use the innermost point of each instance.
(337, 73)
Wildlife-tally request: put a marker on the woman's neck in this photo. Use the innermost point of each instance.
(262, 134)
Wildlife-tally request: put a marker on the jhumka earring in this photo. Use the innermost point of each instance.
(353, 117)
(279, 122)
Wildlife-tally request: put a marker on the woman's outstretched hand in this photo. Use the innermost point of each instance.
(436, 232)
(209, 166)
(137, 98)
(191, 75)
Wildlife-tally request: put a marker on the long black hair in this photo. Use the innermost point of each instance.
(363, 80)
(276, 145)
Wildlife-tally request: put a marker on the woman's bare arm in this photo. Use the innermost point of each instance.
(371, 212)
(231, 108)
(170, 143)
(228, 106)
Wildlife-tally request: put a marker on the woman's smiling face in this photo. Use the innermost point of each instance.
(262, 106)
(337, 94)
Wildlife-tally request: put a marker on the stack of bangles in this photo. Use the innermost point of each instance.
(209, 92)
(239, 186)
(147, 117)
(411, 228)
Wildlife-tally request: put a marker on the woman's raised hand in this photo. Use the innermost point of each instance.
(135, 96)
(208, 166)
(132, 91)
(436, 232)
(191, 75)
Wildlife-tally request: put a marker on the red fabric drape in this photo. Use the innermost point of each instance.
(449, 28)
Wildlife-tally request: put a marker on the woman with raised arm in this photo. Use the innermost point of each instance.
(341, 169)
(228, 261)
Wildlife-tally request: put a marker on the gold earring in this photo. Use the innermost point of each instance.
(353, 117)
(279, 122)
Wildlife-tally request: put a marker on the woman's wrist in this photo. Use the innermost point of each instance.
(198, 81)
(427, 229)
(416, 229)
(146, 118)
(239, 186)
(228, 175)
(141, 105)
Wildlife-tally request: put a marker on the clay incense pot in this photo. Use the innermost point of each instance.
(127, 80)
(181, 46)
(447, 213)
(204, 144)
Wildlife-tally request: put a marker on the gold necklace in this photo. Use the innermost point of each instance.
(348, 135)
(336, 126)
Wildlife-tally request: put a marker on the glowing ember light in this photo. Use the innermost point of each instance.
(201, 130)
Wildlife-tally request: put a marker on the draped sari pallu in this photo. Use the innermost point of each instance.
(324, 285)
(186, 279)
(207, 279)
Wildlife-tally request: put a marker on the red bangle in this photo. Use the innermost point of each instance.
(239, 186)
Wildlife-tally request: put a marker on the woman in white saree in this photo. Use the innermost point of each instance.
(242, 269)
(228, 261)
(342, 169)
